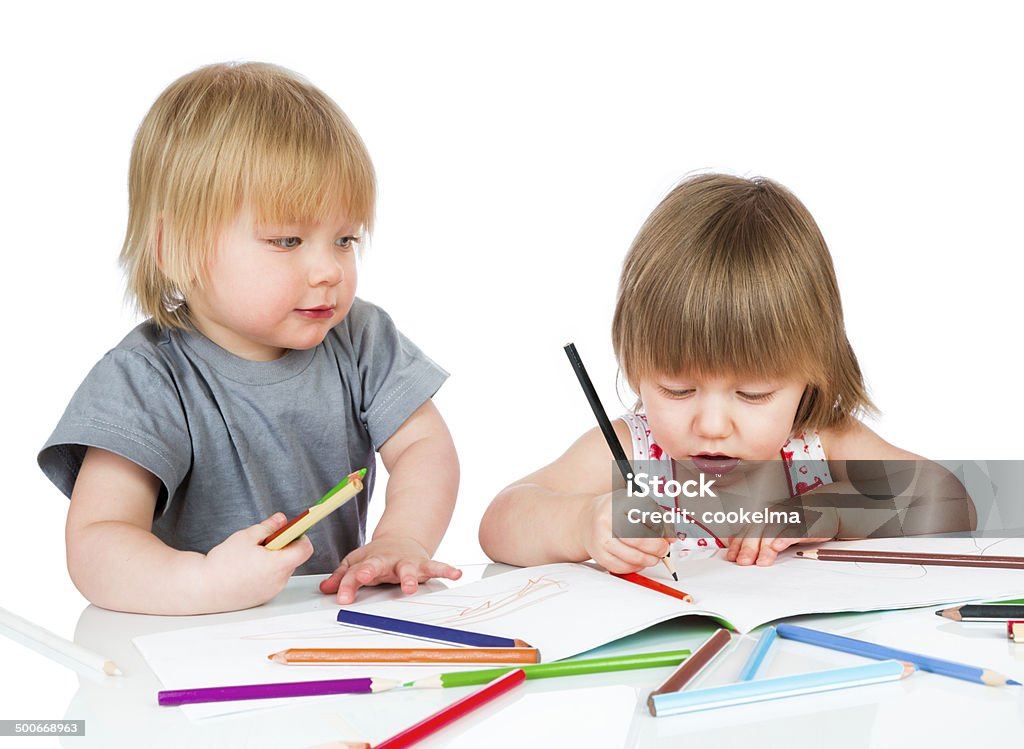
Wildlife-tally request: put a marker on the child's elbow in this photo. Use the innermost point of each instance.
(81, 568)
(85, 563)
(490, 534)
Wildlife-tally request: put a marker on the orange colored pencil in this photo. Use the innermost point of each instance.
(655, 585)
(294, 656)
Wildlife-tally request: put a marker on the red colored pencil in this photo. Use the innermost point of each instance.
(655, 585)
(454, 711)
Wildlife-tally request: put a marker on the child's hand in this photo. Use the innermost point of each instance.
(396, 559)
(619, 555)
(762, 544)
(247, 574)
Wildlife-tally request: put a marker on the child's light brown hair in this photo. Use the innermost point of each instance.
(731, 276)
(221, 138)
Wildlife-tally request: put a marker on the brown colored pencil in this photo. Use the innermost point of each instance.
(692, 666)
(903, 557)
(294, 656)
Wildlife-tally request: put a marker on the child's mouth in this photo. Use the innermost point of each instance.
(716, 463)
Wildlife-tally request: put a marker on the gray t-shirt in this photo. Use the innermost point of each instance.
(233, 441)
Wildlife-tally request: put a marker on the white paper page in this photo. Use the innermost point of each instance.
(566, 609)
(562, 609)
(752, 595)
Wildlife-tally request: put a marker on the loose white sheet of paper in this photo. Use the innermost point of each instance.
(566, 609)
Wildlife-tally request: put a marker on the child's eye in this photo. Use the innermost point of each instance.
(347, 243)
(755, 397)
(671, 393)
(286, 243)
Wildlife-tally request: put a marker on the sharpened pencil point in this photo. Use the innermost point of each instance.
(1012, 683)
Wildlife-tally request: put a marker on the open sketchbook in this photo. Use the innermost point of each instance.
(567, 609)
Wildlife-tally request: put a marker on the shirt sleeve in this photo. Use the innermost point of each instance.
(396, 377)
(128, 406)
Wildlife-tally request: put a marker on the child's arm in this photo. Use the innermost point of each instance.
(563, 513)
(117, 563)
(423, 481)
(934, 501)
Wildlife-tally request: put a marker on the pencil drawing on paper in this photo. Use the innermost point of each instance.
(448, 609)
(459, 608)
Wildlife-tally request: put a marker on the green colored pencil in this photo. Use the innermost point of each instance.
(559, 668)
(361, 473)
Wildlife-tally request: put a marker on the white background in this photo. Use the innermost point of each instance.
(518, 149)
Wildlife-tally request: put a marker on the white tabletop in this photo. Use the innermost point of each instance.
(924, 710)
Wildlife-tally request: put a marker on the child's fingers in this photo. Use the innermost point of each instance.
(330, 585)
(774, 539)
(297, 552)
(256, 533)
(735, 542)
(371, 570)
(621, 558)
(749, 547)
(408, 573)
(366, 572)
(440, 569)
(347, 586)
(655, 547)
(766, 555)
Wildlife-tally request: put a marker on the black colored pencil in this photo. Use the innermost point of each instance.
(618, 454)
(988, 612)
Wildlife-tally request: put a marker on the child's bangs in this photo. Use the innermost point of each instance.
(311, 182)
(729, 320)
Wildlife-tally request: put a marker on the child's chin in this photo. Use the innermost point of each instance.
(308, 341)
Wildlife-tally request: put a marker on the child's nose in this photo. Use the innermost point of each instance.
(326, 268)
(712, 422)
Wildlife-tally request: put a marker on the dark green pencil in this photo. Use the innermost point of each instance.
(559, 668)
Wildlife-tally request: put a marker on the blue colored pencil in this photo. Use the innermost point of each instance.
(426, 631)
(757, 656)
(878, 652)
(743, 692)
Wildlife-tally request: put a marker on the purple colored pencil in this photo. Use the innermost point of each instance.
(271, 691)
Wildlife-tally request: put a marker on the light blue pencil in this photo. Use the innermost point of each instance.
(743, 692)
(757, 655)
(871, 650)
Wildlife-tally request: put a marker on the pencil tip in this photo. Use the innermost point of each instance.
(675, 576)
(1013, 683)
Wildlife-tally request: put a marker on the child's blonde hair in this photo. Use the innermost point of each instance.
(731, 276)
(221, 138)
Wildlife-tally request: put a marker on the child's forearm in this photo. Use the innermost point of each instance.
(933, 501)
(422, 486)
(529, 524)
(119, 566)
